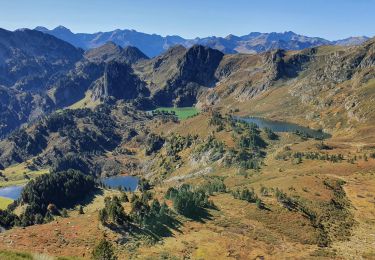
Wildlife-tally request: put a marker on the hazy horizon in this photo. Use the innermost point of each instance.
(331, 20)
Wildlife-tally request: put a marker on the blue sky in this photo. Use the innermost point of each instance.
(330, 19)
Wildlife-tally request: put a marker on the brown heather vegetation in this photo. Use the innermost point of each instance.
(232, 191)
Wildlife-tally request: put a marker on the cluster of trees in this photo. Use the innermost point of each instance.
(71, 161)
(113, 211)
(8, 219)
(163, 112)
(327, 157)
(143, 184)
(29, 144)
(318, 156)
(212, 185)
(48, 193)
(248, 136)
(332, 219)
(248, 151)
(248, 195)
(174, 144)
(153, 143)
(249, 144)
(177, 143)
(46, 196)
(104, 250)
(99, 134)
(323, 146)
(270, 134)
(165, 115)
(217, 120)
(188, 201)
(146, 212)
(149, 213)
(304, 135)
(354, 158)
(285, 200)
(295, 204)
(213, 147)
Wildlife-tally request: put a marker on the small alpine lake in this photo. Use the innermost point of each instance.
(281, 126)
(129, 183)
(11, 192)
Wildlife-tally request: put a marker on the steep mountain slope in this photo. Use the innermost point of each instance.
(90, 72)
(322, 86)
(119, 82)
(29, 60)
(352, 41)
(29, 57)
(77, 138)
(179, 75)
(112, 52)
(216, 187)
(18, 107)
(153, 45)
(41, 73)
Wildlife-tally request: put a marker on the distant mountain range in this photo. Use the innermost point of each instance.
(153, 44)
(40, 73)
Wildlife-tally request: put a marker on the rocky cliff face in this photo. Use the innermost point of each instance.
(119, 82)
(336, 78)
(71, 87)
(179, 75)
(41, 73)
(331, 85)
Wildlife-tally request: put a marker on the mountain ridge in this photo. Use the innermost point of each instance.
(154, 44)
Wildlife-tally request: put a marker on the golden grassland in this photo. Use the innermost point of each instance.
(4, 202)
(236, 229)
(19, 174)
(13, 255)
(86, 102)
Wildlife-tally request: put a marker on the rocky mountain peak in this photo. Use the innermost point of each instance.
(199, 65)
(105, 53)
(113, 52)
(61, 28)
(133, 54)
(120, 82)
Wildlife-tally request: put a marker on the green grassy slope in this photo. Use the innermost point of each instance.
(181, 112)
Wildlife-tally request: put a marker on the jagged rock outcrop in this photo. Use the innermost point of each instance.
(331, 86)
(178, 76)
(120, 82)
(133, 55)
(69, 88)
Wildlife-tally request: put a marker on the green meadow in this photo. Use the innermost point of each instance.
(4, 202)
(181, 112)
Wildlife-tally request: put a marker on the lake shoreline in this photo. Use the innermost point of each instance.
(284, 126)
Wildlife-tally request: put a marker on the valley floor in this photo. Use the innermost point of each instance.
(236, 229)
